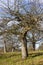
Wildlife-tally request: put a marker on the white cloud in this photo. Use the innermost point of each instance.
(41, 1)
(12, 23)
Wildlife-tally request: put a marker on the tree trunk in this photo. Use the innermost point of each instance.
(4, 47)
(24, 47)
(12, 49)
(33, 46)
(12, 46)
(33, 42)
(24, 50)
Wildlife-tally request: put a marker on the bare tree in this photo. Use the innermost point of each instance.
(34, 36)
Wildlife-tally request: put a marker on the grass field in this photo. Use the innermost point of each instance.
(34, 58)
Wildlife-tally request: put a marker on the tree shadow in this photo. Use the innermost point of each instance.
(35, 55)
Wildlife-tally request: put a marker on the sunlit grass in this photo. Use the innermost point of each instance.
(16, 59)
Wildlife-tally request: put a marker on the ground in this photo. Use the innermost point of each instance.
(15, 58)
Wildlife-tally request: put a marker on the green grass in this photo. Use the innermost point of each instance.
(34, 58)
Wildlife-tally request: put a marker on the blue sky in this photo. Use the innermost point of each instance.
(12, 1)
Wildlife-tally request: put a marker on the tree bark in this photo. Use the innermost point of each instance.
(33, 42)
(24, 47)
(12, 49)
(24, 50)
(4, 46)
(33, 46)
